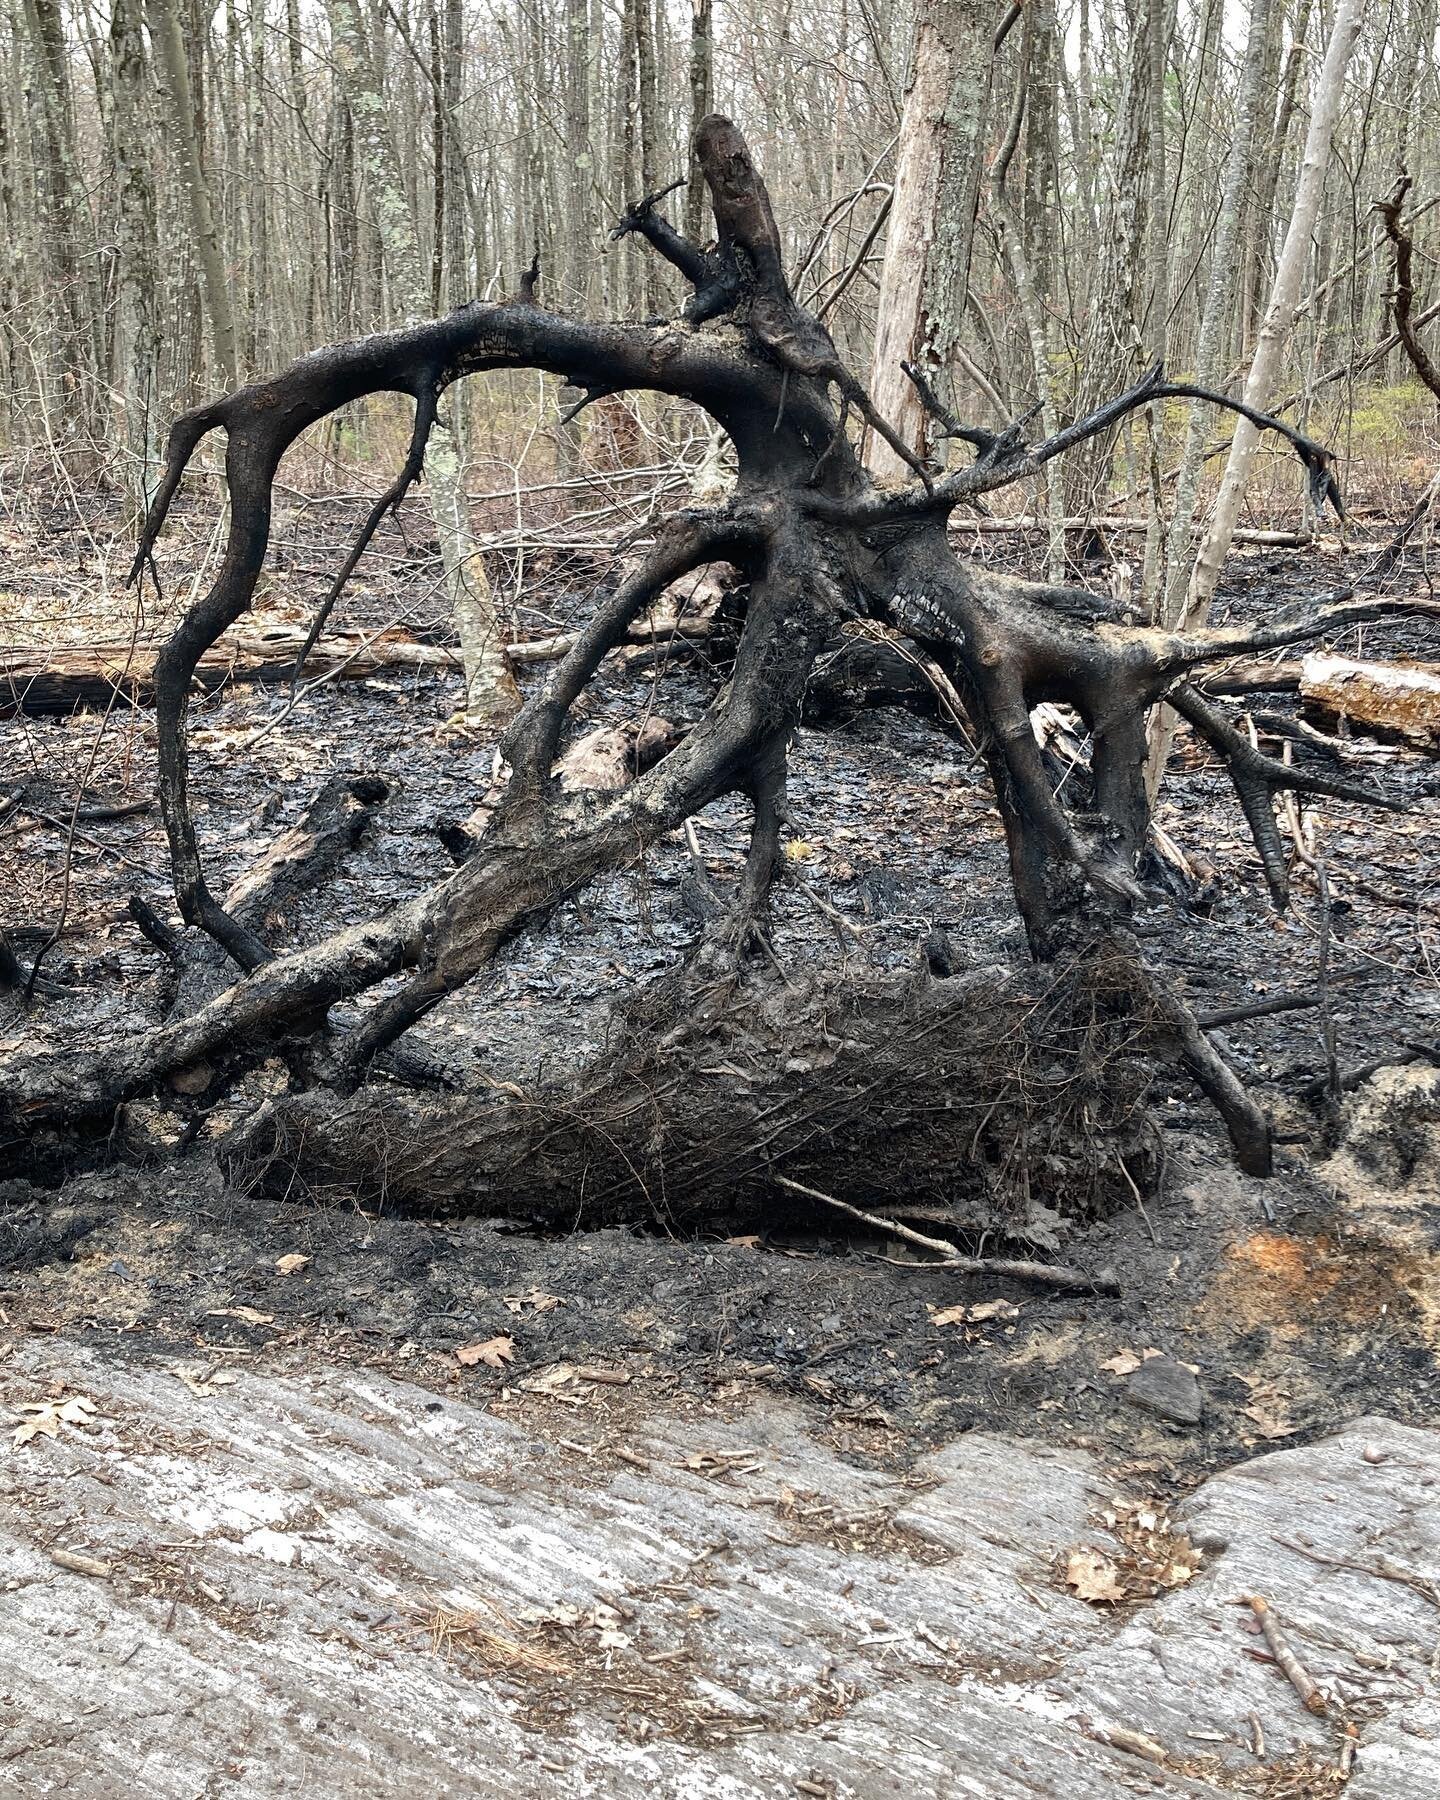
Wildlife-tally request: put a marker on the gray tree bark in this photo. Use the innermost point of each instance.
(932, 216)
(165, 34)
(490, 690)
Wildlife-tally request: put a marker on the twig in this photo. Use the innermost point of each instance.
(130, 809)
(80, 1565)
(1290, 1664)
(1139, 1200)
(155, 929)
(1352, 1078)
(1133, 1743)
(1309, 855)
(1044, 1274)
(844, 928)
(1382, 1569)
(1280, 1003)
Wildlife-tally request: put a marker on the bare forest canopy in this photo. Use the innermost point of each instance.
(189, 197)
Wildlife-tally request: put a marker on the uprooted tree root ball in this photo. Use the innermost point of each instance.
(877, 1092)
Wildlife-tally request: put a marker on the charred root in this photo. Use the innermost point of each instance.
(852, 595)
(973, 1099)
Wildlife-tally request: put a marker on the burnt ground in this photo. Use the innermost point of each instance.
(1301, 1302)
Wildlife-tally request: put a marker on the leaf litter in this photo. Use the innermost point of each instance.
(1153, 1557)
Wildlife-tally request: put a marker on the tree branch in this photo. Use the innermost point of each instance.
(427, 398)
(1256, 777)
(1402, 299)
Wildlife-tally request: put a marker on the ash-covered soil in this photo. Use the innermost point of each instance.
(1300, 1302)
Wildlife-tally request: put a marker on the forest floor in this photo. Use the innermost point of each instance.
(635, 1399)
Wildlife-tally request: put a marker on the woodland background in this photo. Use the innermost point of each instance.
(191, 195)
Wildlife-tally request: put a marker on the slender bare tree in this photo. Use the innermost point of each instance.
(490, 690)
(1261, 382)
(932, 215)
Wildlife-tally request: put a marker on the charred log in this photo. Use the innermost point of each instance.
(51, 683)
(972, 1099)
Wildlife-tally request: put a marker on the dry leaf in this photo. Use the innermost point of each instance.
(536, 1299)
(292, 1264)
(247, 1313)
(564, 1615)
(1123, 1362)
(1273, 1421)
(494, 1353)
(47, 1417)
(607, 1622)
(205, 1385)
(993, 1309)
(976, 1315)
(1094, 1577)
(751, 1242)
(1154, 1557)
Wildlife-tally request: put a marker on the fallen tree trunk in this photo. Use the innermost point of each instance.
(43, 683)
(1106, 522)
(974, 1099)
(1397, 701)
(1253, 675)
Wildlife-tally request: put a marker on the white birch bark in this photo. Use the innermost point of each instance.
(932, 215)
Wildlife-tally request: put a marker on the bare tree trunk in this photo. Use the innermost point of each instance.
(169, 44)
(1256, 232)
(67, 242)
(490, 690)
(1280, 313)
(702, 83)
(137, 344)
(1215, 315)
(1111, 335)
(1036, 60)
(932, 216)
(580, 261)
(649, 147)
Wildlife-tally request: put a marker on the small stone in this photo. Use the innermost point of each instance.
(1162, 1385)
(1372, 1453)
